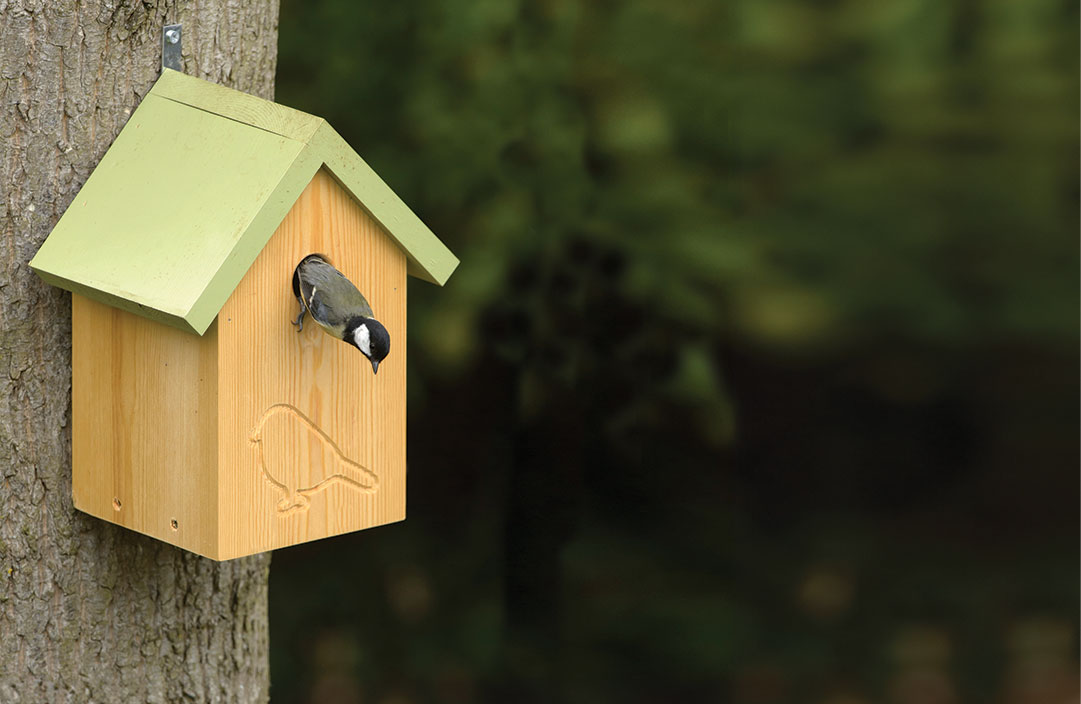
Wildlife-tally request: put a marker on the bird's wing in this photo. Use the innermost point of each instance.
(330, 297)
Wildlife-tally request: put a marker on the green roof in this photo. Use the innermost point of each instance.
(191, 191)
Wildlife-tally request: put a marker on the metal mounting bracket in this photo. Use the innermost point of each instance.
(170, 47)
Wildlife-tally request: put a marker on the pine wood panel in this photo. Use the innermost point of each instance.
(311, 443)
(144, 414)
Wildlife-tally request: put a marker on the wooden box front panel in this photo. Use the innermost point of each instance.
(144, 425)
(311, 443)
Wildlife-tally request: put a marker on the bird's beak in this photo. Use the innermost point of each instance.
(375, 366)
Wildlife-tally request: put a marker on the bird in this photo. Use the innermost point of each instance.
(339, 308)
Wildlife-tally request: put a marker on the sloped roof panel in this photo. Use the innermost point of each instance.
(190, 192)
(165, 209)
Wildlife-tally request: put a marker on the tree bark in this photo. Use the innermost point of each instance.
(90, 612)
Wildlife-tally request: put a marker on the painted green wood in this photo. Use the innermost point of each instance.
(428, 258)
(191, 191)
(250, 110)
(116, 301)
(166, 209)
(221, 284)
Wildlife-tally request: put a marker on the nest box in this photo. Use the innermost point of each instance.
(200, 416)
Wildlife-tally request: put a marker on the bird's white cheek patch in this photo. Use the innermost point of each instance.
(363, 340)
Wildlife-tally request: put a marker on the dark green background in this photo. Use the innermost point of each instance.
(758, 382)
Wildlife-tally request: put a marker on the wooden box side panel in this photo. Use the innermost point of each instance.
(144, 435)
(312, 444)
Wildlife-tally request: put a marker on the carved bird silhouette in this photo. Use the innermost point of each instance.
(300, 460)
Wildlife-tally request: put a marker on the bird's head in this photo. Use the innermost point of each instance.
(370, 337)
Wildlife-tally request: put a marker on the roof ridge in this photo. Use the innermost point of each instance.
(190, 192)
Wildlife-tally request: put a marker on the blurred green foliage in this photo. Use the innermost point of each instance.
(817, 169)
(758, 379)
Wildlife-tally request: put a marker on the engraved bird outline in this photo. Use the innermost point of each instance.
(279, 436)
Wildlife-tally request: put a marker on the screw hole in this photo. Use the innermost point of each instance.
(116, 504)
(174, 524)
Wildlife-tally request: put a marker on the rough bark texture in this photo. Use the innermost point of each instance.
(90, 612)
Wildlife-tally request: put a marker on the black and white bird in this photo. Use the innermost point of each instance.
(339, 308)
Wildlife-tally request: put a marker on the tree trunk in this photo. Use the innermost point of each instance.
(90, 612)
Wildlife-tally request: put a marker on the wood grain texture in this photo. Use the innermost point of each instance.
(429, 259)
(264, 362)
(144, 425)
(253, 436)
(90, 612)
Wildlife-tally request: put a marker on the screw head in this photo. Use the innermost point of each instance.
(172, 36)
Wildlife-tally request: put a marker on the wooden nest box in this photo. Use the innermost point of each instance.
(200, 416)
